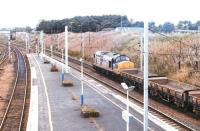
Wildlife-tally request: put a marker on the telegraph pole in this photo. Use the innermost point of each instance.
(51, 48)
(58, 42)
(9, 46)
(121, 23)
(44, 47)
(36, 48)
(141, 52)
(179, 63)
(26, 41)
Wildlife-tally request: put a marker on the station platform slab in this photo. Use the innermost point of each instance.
(57, 111)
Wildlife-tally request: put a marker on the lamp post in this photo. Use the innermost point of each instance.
(146, 72)
(42, 44)
(81, 60)
(62, 74)
(126, 113)
(66, 50)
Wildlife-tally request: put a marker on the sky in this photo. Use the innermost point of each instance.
(18, 13)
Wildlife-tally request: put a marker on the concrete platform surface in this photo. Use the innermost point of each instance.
(59, 112)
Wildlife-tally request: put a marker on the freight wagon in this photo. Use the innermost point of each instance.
(119, 68)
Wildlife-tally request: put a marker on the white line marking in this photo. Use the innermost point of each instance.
(33, 73)
(46, 93)
(32, 124)
(91, 80)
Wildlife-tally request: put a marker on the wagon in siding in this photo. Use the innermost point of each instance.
(194, 100)
(134, 77)
(119, 68)
(173, 91)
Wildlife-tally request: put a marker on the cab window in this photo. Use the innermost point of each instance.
(122, 58)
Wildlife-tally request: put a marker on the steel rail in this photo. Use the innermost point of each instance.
(14, 90)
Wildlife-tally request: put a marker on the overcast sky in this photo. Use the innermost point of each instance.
(29, 12)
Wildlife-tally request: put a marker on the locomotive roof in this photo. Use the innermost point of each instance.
(107, 53)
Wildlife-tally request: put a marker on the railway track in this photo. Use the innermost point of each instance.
(3, 57)
(14, 113)
(89, 71)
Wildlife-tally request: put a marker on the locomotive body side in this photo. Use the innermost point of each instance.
(112, 60)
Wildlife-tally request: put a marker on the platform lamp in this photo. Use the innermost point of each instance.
(146, 72)
(66, 50)
(41, 43)
(62, 60)
(126, 112)
(81, 60)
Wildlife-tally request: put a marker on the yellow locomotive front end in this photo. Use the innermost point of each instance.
(125, 65)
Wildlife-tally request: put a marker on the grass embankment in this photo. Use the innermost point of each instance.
(165, 54)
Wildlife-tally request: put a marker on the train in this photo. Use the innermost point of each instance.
(119, 68)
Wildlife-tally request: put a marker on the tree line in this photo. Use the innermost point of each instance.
(83, 23)
(99, 23)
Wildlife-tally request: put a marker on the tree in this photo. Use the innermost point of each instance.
(152, 26)
(168, 27)
(185, 25)
(83, 23)
(198, 25)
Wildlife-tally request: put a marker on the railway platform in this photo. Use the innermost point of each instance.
(53, 109)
